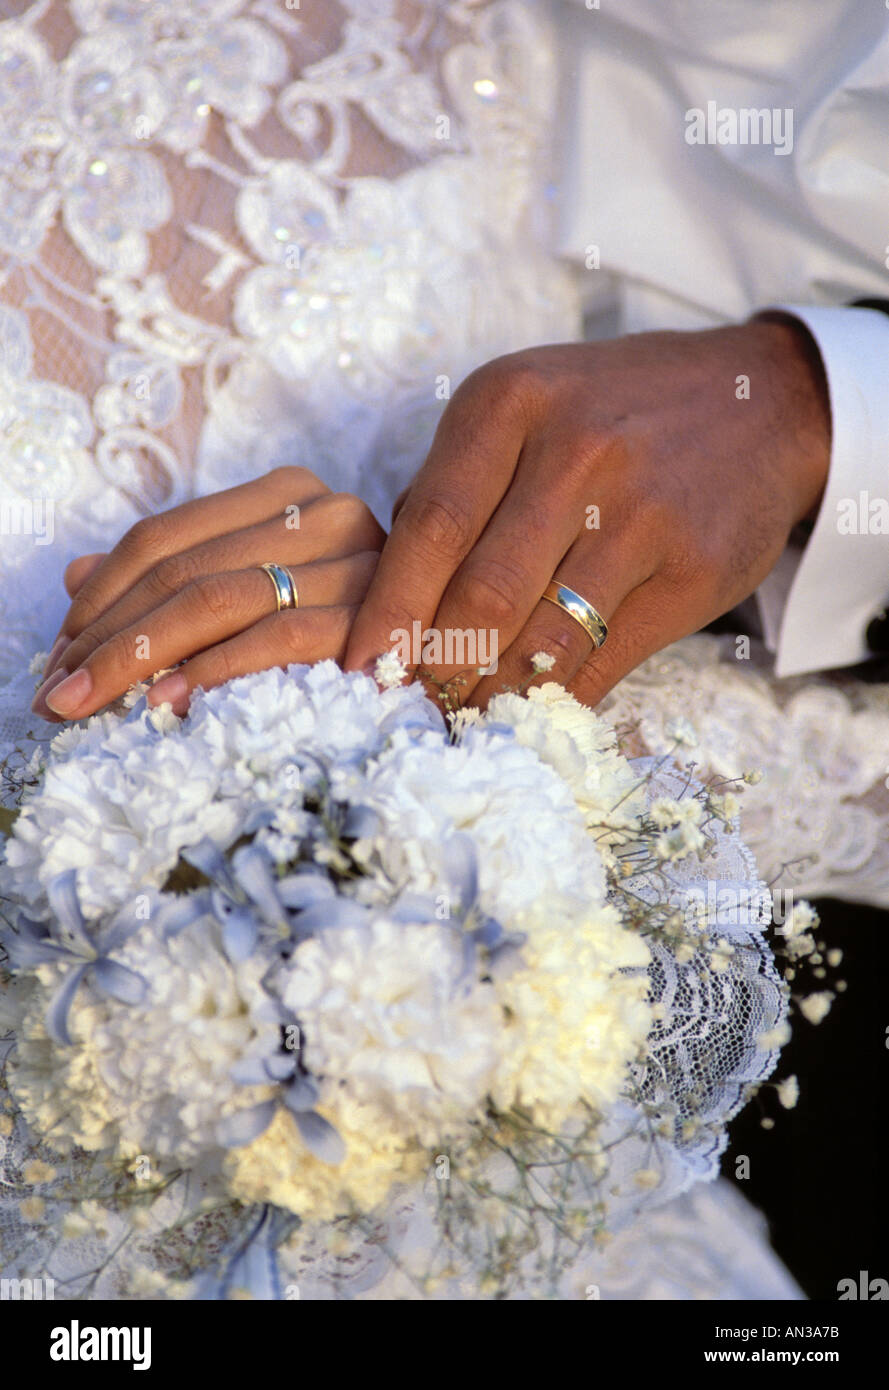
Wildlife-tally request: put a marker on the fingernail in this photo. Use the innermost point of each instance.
(171, 690)
(60, 645)
(73, 692)
(38, 704)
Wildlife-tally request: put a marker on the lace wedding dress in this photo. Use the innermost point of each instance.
(235, 235)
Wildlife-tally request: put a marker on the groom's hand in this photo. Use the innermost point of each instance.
(658, 475)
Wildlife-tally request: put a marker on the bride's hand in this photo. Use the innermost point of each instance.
(658, 476)
(184, 586)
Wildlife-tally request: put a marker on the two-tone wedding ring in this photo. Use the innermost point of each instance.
(286, 593)
(576, 606)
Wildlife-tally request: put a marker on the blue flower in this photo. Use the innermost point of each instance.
(298, 1092)
(250, 1263)
(66, 940)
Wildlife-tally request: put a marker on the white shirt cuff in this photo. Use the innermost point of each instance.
(817, 602)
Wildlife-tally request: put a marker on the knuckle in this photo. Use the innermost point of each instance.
(144, 539)
(367, 558)
(440, 523)
(94, 635)
(294, 476)
(351, 508)
(491, 589)
(567, 643)
(659, 495)
(648, 636)
(623, 448)
(119, 652)
(216, 594)
(508, 386)
(297, 632)
(662, 523)
(172, 574)
(595, 449)
(222, 666)
(365, 563)
(689, 571)
(77, 653)
(80, 615)
(347, 518)
(289, 632)
(393, 621)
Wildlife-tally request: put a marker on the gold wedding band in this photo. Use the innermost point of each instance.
(593, 623)
(286, 593)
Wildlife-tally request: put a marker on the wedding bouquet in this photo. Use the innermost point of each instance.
(320, 975)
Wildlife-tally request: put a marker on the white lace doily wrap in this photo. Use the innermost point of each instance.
(704, 1054)
(17, 725)
(819, 819)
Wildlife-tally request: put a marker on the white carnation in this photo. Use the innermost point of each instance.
(529, 835)
(122, 798)
(257, 725)
(119, 813)
(408, 1026)
(392, 1019)
(154, 1077)
(579, 745)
